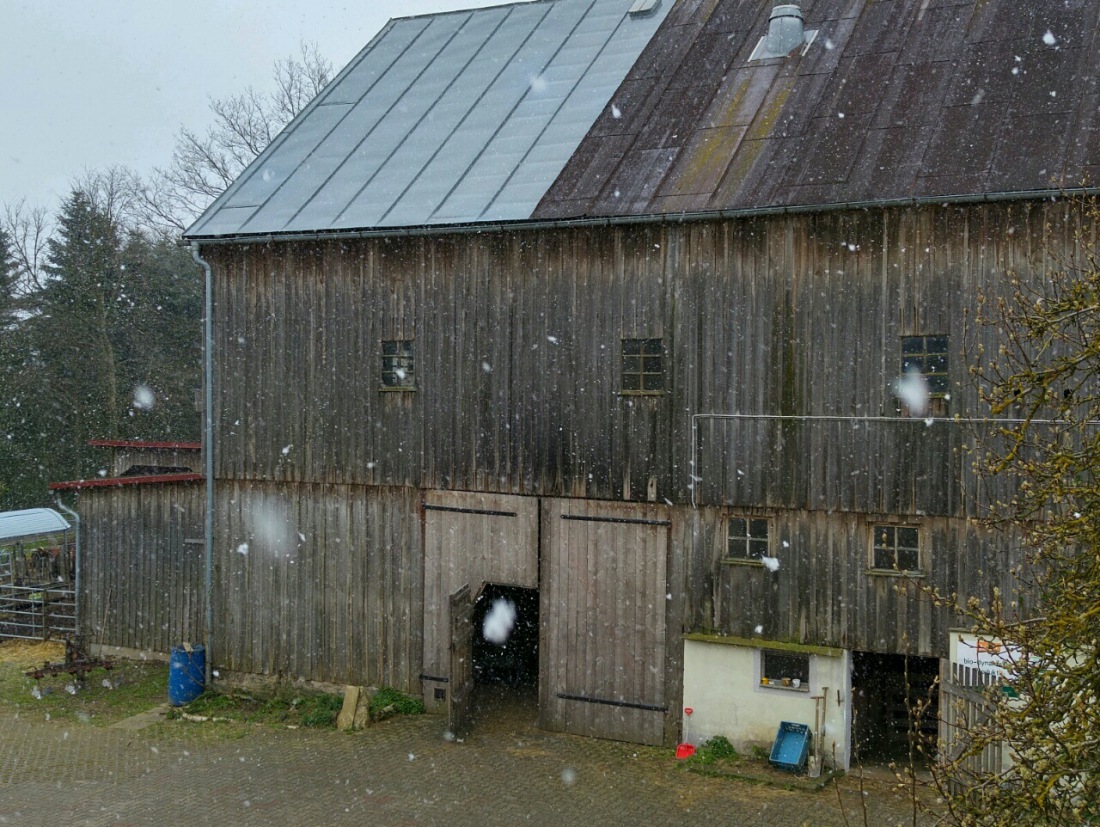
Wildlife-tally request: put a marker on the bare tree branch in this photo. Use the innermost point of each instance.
(204, 164)
(28, 229)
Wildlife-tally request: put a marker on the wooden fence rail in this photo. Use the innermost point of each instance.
(967, 703)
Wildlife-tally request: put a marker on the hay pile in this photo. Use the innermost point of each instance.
(25, 654)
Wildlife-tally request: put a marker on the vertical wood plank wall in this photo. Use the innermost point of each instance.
(141, 583)
(517, 339)
(322, 582)
(823, 592)
(604, 612)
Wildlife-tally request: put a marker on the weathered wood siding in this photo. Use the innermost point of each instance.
(141, 581)
(122, 459)
(604, 649)
(322, 582)
(793, 320)
(823, 592)
(517, 337)
(471, 539)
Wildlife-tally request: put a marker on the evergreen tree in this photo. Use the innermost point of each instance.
(20, 428)
(79, 309)
(160, 343)
(7, 282)
(115, 338)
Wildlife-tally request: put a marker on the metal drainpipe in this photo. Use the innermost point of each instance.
(208, 450)
(76, 598)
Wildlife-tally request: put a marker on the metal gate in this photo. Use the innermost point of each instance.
(37, 612)
(603, 650)
(37, 592)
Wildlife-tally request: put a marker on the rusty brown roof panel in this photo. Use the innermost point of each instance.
(1026, 155)
(936, 36)
(635, 182)
(739, 99)
(892, 99)
(679, 110)
(915, 94)
(883, 27)
(889, 154)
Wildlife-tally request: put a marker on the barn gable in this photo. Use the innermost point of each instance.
(577, 109)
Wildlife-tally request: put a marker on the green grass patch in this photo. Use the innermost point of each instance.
(715, 750)
(101, 698)
(284, 707)
(388, 702)
(717, 758)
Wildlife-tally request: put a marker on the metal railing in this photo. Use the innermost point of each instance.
(37, 612)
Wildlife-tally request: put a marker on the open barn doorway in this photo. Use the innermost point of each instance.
(886, 692)
(505, 656)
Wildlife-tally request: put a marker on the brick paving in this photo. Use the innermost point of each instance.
(400, 772)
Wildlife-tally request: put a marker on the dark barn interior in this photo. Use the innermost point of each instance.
(514, 663)
(886, 693)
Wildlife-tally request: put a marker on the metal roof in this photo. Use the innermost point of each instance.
(141, 445)
(127, 482)
(893, 99)
(32, 522)
(457, 117)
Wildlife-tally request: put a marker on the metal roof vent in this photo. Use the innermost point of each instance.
(644, 8)
(786, 32)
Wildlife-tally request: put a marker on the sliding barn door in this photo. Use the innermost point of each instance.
(470, 539)
(603, 648)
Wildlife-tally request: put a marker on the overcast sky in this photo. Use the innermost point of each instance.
(88, 84)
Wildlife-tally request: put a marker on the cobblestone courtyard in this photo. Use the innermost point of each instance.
(400, 772)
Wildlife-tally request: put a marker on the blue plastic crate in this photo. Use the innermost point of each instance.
(791, 747)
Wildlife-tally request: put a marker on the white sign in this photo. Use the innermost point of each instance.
(990, 657)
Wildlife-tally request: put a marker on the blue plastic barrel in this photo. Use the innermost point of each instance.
(186, 674)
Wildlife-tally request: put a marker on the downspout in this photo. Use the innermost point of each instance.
(76, 598)
(208, 451)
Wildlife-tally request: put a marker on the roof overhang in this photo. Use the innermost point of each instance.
(139, 445)
(125, 482)
(652, 218)
(31, 522)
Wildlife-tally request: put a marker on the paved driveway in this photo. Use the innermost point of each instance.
(401, 772)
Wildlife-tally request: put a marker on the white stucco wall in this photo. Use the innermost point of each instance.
(722, 688)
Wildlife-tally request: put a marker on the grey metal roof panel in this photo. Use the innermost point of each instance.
(453, 117)
(31, 522)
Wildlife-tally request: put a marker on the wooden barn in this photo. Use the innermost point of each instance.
(141, 547)
(602, 306)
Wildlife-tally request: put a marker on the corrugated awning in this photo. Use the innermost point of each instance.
(32, 522)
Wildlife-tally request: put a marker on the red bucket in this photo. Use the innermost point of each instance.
(685, 750)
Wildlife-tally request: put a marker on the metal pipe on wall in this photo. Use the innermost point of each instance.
(208, 454)
(76, 540)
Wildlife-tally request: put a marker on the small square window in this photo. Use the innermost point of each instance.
(746, 539)
(928, 357)
(643, 366)
(896, 547)
(398, 364)
(785, 668)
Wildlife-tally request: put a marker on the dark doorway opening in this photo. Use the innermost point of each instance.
(506, 656)
(886, 690)
(506, 669)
